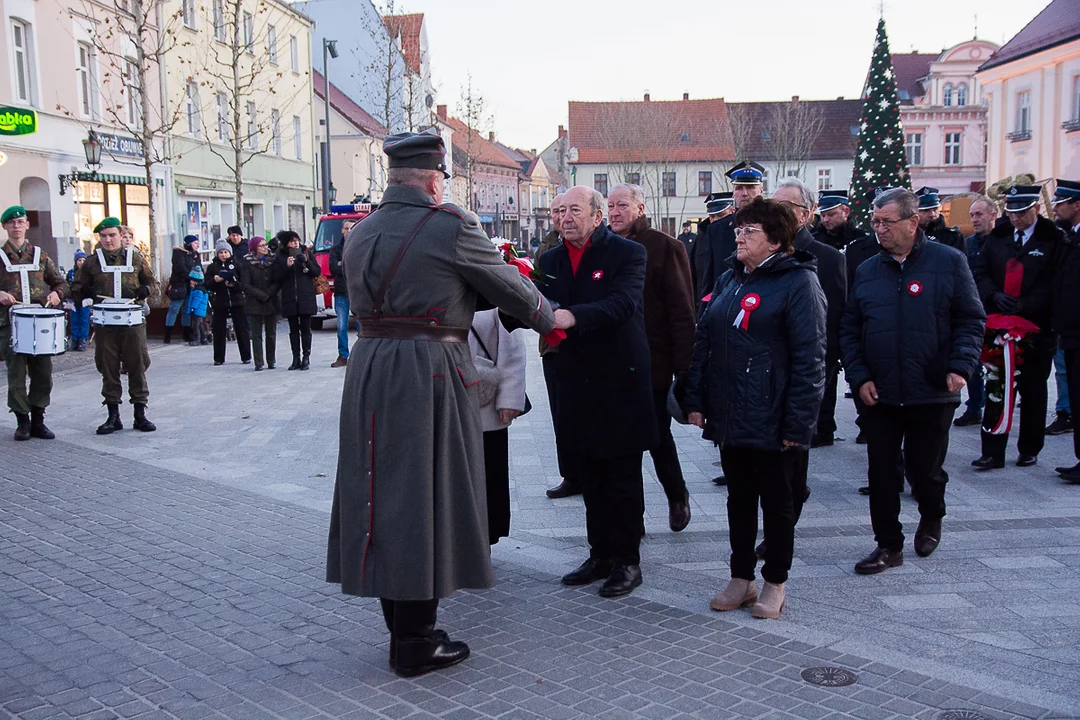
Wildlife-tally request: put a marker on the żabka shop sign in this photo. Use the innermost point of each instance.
(17, 121)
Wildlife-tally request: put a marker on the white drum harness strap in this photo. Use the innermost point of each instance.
(116, 270)
(24, 271)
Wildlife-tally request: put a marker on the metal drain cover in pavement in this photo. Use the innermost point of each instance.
(960, 715)
(829, 676)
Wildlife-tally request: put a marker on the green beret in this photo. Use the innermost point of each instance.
(12, 213)
(109, 222)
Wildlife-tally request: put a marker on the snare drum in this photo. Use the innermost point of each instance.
(37, 331)
(121, 314)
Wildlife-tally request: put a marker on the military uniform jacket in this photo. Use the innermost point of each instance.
(43, 281)
(94, 283)
(939, 232)
(719, 246)
(409, 519)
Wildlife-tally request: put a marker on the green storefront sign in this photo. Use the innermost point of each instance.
(17, 121)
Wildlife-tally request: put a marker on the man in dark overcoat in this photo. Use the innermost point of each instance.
(1066, 204)
(606, 419)
(1030, 246)
(409, 520)
(669, 326)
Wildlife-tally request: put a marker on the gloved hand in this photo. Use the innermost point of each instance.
(142, 292)
(1005, 303)
(87, 302)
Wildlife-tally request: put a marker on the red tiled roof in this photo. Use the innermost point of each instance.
(835, 140)
(409, 26)
(661, 131)
(483, 151)
(342, 104)
(909, 69)
(1058, 23)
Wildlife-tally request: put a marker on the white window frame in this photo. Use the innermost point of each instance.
(223, 119)
(954, 141)
(252, 126)
(249, 32)
(134, 93)
(219, 21)
(962, 95)
(187, 11)
(913, 148)
(298, 137)
(192, 111)
(86, 80)
(1023, 111)
(1076, 98)
(824, 178)
(947, 95)
(271, 44)
(27, 92)
(275, 131)
(294, 53)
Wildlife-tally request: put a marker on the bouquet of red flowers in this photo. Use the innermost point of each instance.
(524, 264)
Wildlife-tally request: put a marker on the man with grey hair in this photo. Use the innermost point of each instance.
(604, 406)
(670, 327)
(984, 215)
(910, 337)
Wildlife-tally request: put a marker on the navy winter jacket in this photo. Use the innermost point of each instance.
(907, 327)
(760, 386)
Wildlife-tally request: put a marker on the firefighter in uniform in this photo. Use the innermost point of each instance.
(29, 277)
(95, 280)
(933, 224)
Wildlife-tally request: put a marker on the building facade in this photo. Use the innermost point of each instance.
(357, 162)
(417, 89)
(493, 190)
(1032, 88)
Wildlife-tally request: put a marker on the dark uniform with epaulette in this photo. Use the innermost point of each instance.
(92, 284)
(29, 408)
(720, 241)
(936, 230)
(1066, 320)
(715, 204)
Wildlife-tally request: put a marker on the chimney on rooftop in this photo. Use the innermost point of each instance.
(440, 110)
(491, 136)
(562, 131)
(794, 98)
(686, 96)
(533, 151)
(840, 98)
(646, 97)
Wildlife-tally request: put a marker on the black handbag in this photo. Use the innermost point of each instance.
(177, 293)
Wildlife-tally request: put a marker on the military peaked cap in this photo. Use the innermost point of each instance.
(1067, 190)
(829, 199)
(423, 151)
(718, 202)
(928, 198)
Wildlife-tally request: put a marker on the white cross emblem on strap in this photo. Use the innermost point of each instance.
(116, 270)
(24, 271)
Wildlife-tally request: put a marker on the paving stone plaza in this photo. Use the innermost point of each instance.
(180, 574)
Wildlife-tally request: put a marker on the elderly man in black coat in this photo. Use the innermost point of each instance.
(911, 335)
(605, 416)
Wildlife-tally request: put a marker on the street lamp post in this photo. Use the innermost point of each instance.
(92, 150)
(329, 47)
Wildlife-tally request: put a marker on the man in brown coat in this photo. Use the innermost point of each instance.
(669, 325)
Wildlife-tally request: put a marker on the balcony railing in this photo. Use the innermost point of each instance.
(1071, 125)
(1018, 136)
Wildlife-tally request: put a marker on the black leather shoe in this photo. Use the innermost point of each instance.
(1071, 477)
(880, 560)
(679, 513)
(987, 463)
(1026, 460)
(760, 550)
(719, 481)
(567, 488)
(38, 428)
(588, 572)
(1072, 470)
(967, 420)
(22, 427)
(860, 439)
(417, 656)
(113, 422)
(821, 441)
(622, 581)
(927, 537)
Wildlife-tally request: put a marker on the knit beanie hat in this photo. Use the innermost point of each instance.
(79, 254)
(222, 245)
(196, 273)
(190, 240)
(254, 242)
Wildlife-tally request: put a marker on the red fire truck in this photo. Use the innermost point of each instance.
(327, 233)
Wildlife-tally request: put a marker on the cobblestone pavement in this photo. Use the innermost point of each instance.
(179, 574)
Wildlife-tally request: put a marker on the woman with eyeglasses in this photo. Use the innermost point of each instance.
(755, 386)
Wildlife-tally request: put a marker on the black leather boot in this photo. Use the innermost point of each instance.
(37, 425)
(305, 364)
(388, 618)
(420, 647)
(141, 423)
(295, 362)
(112, 423)
(22, 428)
(168, 334)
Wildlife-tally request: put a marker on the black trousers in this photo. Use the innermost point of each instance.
(497, 476)
(923, 432)
(614, 506)
(800, 471)
(1072, 374)
(766, 476)
(240, 327)
(565, 470)
(300, 334)
(409, 619)
(1031, 386)
(665, 456)
(826, 423)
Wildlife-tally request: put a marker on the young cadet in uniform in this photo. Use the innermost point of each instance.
(44, 285)
(94, 281)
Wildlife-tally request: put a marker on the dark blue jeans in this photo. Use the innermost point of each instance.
(341, 307)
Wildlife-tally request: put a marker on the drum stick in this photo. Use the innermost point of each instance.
(122, 301)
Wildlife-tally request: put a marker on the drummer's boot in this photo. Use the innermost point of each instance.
(141, 423)
(22, 430)
(38, 428)
(112, 423)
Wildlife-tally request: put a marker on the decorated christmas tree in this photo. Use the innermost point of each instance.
(879, 158)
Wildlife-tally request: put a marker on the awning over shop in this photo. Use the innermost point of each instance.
(107, 178)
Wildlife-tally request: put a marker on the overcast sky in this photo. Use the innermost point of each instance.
(529, 58)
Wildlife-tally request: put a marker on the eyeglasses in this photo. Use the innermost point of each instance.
(740, 231)
(881, 222)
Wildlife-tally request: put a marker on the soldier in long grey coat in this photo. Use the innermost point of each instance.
(409, 522)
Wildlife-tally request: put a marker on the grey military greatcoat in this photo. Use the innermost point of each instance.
(409, 520)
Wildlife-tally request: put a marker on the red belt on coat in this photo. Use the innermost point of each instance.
(412, 330)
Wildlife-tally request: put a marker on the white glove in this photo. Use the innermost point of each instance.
(87, 302)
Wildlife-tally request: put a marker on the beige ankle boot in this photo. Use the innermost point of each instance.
(737, 594)
(771, 602)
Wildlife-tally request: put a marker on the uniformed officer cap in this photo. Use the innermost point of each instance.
(829, 199)
(423, 151)
(746, 173)
(872, 194)
(109, 222)
(928, 198)
(718, 202)
(1067, 190)
(13, 213)
(1019, 198)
